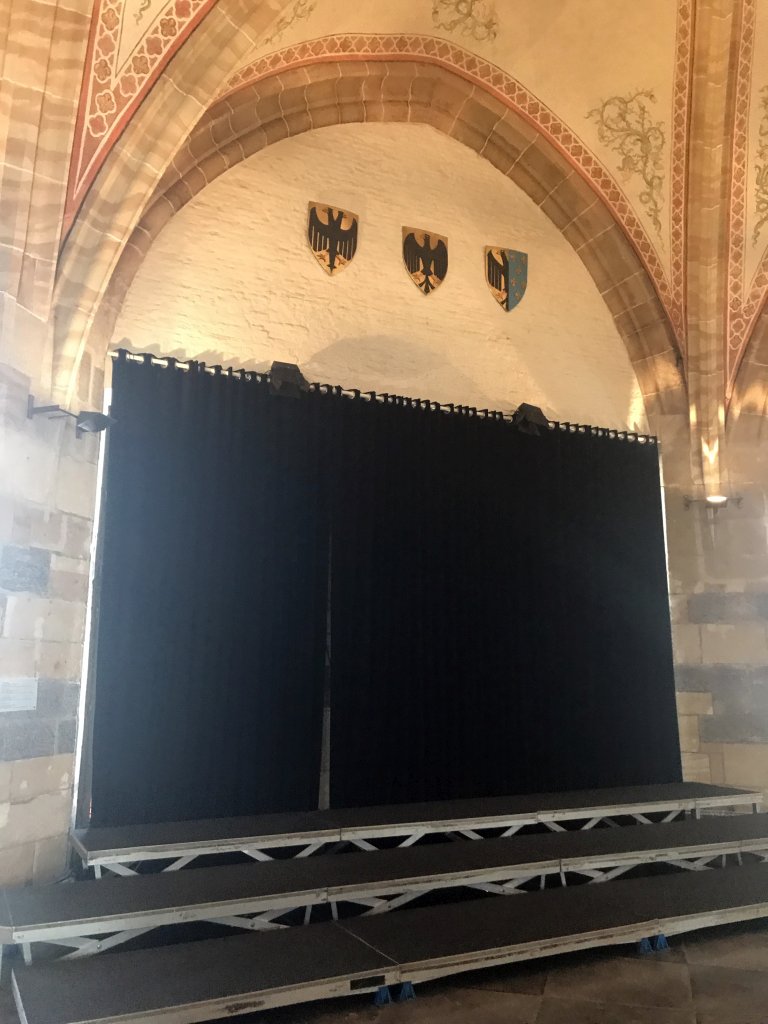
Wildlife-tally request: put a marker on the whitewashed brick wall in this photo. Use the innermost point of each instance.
(231, 280)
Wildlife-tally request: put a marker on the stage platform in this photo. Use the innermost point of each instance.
(118, 849)
(93, 916)
(199, 981)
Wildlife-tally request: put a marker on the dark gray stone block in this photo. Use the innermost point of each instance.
(733, 729)
(728, 608)
(30, 737)
(57, 698)
(735, 691)
(66, 736)
(706, 607)
(714, 678)
(742, 698)
(25, 569)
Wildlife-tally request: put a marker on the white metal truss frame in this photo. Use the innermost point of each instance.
(398, 972)
(86, 937)
(126, 861)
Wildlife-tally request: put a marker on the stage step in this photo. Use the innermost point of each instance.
(200, 981)
(182, 841)
(70, 913)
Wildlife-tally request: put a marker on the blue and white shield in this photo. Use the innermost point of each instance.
(506, 272)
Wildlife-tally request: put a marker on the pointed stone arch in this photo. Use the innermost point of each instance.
(343, 90)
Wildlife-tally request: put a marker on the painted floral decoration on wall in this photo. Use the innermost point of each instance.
(475, 18)
(138, 15)
(625, 125)
(761, 168)
(300, 10)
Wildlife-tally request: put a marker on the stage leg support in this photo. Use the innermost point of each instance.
(382, 996)
(405, 992)
(654, 944)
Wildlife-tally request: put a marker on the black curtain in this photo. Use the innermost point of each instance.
(499, 609)
(497, 602)
(211, 614)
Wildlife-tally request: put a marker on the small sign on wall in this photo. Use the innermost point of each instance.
(18, 694)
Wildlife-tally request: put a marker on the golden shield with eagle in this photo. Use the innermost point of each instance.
(425, 255)
(332, 236)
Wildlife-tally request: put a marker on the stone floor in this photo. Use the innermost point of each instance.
(717, 976)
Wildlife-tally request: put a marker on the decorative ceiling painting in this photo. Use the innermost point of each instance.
(624, 127)
(627, 126)
(474, 19)
(130, 43)
(761, 169)
(298, 12)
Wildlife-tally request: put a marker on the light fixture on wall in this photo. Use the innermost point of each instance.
(86, 422)
(713, 502)
(529, 419)
(287, 379)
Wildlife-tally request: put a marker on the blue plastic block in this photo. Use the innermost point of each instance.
(660, 943)
(644, 947)
(382, 996)
(406, 992)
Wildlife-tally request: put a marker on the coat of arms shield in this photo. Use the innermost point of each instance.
(426, 258)
(332, 236)
(506, 274)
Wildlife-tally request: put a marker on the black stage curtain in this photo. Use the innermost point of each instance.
(497, 603)
(500, 621)
(211, 614)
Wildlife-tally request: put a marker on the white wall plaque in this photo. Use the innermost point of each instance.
(18, 694)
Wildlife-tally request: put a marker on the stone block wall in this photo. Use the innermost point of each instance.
(723, 688)
(47, 493)
(719, 601)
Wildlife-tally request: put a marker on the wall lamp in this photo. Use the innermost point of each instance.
(287, 379)
(86, 422)
(529, 418)
(713, 502)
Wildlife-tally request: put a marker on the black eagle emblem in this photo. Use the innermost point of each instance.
(506, 273)
(426, 258)
(332, 236)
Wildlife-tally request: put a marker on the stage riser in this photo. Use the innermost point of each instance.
(93, 917)
(452, 939)
(117, 850)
